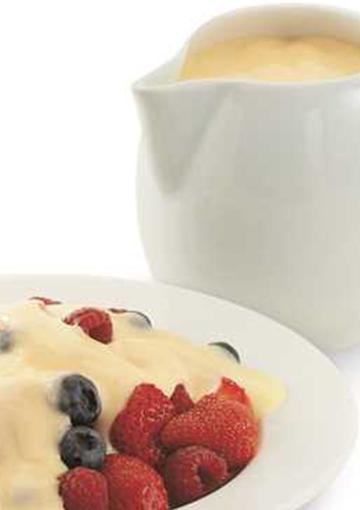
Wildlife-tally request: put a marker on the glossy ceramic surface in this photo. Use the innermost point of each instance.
(250, 190)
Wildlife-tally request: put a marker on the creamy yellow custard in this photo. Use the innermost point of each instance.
(44, 349)
(274, 59)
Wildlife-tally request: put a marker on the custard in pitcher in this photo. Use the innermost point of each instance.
(274, 59)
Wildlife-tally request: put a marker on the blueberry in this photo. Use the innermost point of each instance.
(139, 319)
(79, 398)
(228, 350)
(5, 340)
(82, 446)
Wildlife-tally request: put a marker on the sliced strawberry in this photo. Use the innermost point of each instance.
(225, 426)
(181, 399)
(232, 391)
(94, 322)
(136, 429)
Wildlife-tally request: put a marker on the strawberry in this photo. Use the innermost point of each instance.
(181, 399)
(223, 425)
(230, 390)
(94, 322)
(193, 472)
(46, 301)
(136, 429)
(84, 489)
(133, 485)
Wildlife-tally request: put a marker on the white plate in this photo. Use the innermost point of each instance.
(305, 442)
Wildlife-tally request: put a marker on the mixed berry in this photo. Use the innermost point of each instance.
(82, 446)
(162, 451)
(136, 429)
(79, 398)
(227, 349)
(5, 340)
(181, 399)
(94, 322)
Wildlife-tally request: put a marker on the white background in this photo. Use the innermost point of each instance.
(68, 139)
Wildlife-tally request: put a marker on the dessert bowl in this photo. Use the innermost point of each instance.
(304, 442)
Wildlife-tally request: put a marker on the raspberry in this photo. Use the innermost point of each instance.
(45, 300)
(193, 472)
(84, 489)
(6, 339)
(232, 391)
(133, 485)
(225, 426)
(136, 429)
(94, 322)
(181, 399)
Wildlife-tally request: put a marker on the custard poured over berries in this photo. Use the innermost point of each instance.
(83, 389)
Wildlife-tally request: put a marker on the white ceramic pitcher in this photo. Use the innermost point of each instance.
(251, 190)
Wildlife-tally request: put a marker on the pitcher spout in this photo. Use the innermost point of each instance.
(173, 116)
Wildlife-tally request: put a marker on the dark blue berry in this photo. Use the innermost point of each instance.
(228, 349)
(82, 446)
(6, 340)
(79, 398)
(139, 319)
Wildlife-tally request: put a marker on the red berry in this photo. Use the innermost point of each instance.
(181, 399)
(193, 472)
(133, 485)
(84, 489)
(94, 322)
(137, 428)
(225, 426)
(232, 391)
(46, 301)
